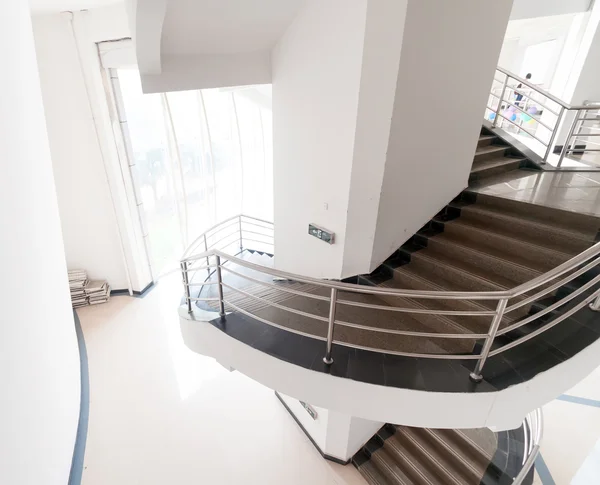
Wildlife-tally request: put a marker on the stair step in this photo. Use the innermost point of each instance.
(485, 140)
(410, 459)
(538, 233)
(480, 236)
(583, 223)
(492, 151)
(493, 166)
(389, 469)
(373, 475)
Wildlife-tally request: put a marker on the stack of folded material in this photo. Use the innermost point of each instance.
(97, 291)
(77, 282)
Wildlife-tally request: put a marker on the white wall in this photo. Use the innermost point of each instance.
(39, 408)
(525, 9)
(440, 95)
(88, 218)
(316, 76)
(100, 228)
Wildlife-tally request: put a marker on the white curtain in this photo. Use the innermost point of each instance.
(200, 157)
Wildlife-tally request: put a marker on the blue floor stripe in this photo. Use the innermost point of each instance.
(542, 470)
(84, 409)
(579, 400)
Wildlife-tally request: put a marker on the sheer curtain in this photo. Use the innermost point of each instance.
(200, 157)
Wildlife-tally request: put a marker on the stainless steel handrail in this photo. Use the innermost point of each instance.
(574, 268)
(533, 426)
(574, 129)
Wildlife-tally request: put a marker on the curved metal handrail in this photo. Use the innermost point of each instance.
(533, 427)
(572, 268)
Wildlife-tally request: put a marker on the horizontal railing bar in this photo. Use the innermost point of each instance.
(257, 241)
(256, 219)
(408, 354)
(246, 231)
(577, 135)
(558, 271)
(278, 287)
(426, 311)
(583, 150)
(522, 129)
(589, 119)
(201, 236)
(222, 228)
(552, 307)
(411, 333)
(450, 295)
(236, 234)
(264, 225)
(526, 113)
(553, 287)
(532, 100)
(534, 87)
(586, 141)
(276, 305)
(204, 299)
(551, 324)
(197, 285)
(276, 325)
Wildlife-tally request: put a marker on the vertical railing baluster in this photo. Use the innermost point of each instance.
(554, 133)
(186, 284)
(498, 109)
(207, 258)
(332, 304)
(241, 237)
(476, 374)
(565, 148)
(220, 287)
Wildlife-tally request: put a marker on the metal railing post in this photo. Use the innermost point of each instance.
(595, 305)
(499, 108)
(220, 287)
(554, 133)
(328, 359)
(207, 258)
(476, 374)
(241, 237)
(186, 284)
(568, 140)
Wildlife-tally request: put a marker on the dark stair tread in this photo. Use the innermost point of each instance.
(490, 149)
(479, 166)
(373, 475)
(389, 468)
(495, 261)
(534, 224)
(459, 230)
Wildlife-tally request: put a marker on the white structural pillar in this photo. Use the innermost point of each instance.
(337, 435)
(377, 107)
(39, 358)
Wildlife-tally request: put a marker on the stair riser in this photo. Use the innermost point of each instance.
(488, 241)
(520, 229)
(480, 157)
(488, 172)
(486, 142)
(581, 222)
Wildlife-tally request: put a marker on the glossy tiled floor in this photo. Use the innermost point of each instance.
(160, 414)
(570, 191)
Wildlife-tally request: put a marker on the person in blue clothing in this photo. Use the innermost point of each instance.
(519, 96)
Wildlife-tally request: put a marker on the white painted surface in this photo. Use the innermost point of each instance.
(98, 227)
(501, 410)
(55, 6)
(316, 428)
(525, 9)
(314, 122)
(40, 378)
(336, 434)
(438, 84)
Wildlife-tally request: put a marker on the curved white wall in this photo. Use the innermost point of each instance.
(39, 370)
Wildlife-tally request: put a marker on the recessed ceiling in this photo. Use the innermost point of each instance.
(225, 26)
(49, 6)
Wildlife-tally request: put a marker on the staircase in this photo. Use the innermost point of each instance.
(402, 455)
(493, 156)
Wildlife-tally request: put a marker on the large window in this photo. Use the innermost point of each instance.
(199, 157)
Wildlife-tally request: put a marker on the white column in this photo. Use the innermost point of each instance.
(377, 107)
(38, 347)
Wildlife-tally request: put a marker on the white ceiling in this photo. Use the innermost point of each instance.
(225, 26)
(48, 6)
